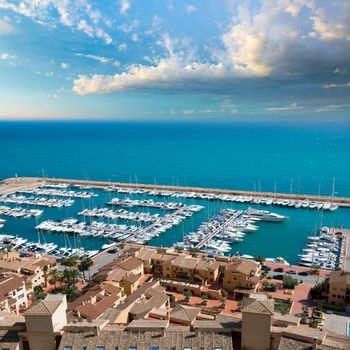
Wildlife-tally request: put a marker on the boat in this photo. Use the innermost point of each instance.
(265, 215)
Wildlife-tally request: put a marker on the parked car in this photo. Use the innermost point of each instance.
(291, 272)
(303, 273)
(265, 268)
(278, 269)
(278, 277)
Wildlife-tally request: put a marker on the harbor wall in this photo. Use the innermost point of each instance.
(21, 182)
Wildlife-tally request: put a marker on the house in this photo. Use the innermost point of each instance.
(92, 304)
(339, 288)
(13, 292)
(242, 274)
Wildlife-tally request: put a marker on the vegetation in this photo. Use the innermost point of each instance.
(304, 314)
(289, 282)
(269, 287)
(179, 249)
(39, 293)
(259, 259)
(172, 299)
(282, 306)
(187, 294)
(316, 291)
(314, 323)
(315, 269)
(84, 266)
(322, 307)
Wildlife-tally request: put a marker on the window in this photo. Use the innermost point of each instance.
(68, 347)
(187, 348)
(154, 348)
(132, 348)
(100, 348)
(84, 347)
(217, 348)
(116, 348)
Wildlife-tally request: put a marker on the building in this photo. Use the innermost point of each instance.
(36, 269)
(92, 304)
(45, 321)
(241, 274)
(339, 288)
(13, 292)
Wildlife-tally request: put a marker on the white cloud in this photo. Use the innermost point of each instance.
(64, 65)
(98, 58)
(337, 86)
(188, 111)
(190, 9)
(127, 28)
(134, 37)
(77, 14)
(291, 107)
(6, 56)
(49, 74)
(125, 6)
(331, 108)
(272, 40)
(6, 27)
(122, 47)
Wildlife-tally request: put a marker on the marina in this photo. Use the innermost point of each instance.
(214, 222)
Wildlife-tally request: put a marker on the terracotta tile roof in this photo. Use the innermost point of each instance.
(257, 306)
(132, 278)
(108, 295)
(117, 336)
(184, 313)
(293, 344)
(9, 283)
(339, 276)
(146, 254)
(45, 307)
(130, 264)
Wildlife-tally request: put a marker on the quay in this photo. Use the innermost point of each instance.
(12, 185)
(219, 229)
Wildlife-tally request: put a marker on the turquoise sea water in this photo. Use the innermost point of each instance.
(296, 156)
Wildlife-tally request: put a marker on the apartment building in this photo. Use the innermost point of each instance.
(13, 292)
(339, 288)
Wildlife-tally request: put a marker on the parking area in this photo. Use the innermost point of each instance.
(301, 273)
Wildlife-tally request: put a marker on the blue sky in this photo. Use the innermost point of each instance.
(159, 59)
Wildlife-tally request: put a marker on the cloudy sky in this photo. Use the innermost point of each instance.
(162, 59)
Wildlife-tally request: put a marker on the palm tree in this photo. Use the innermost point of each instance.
(39, 293)
(88, 262)
(55, 276)
(70, 262)
(45, 269)
(71, 292)
(70, 276)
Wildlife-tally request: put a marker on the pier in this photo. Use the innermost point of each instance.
(219, 229)
(12, 185)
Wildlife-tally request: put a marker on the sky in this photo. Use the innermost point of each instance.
(167, 59)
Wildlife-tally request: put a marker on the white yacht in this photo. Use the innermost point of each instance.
(265, 215)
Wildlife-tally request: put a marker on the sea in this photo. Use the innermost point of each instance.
(261, 155)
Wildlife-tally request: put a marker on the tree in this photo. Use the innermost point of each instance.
(304, 314)
(172, 299)
(316, 291)
(259, 259)
(71, 291)
(194, 251)
(54, 277)
(70, 276)
(269, 287)
(179, 249)
(289, 282)
(315, 269)
(187, 294)
(45, 269)
(39, 293)
(70, 262)
(85, 265)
